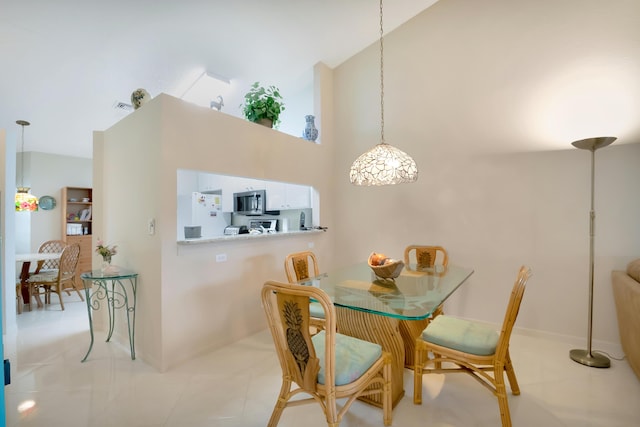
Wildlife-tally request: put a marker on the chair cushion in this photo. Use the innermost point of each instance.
(462, 335)
(316, 310)
(353, 357)
(49, 276)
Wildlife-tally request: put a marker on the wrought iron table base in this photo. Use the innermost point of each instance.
(112, 290)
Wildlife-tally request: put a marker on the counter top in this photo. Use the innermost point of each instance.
(239, 237)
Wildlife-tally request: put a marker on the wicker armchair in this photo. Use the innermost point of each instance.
(296, 266)
(57, 281)
(322, 366)
(474, 349)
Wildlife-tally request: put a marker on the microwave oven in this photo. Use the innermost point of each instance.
(252, 203)
(249, 202)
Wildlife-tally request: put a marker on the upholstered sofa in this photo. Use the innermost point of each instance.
(626, 291)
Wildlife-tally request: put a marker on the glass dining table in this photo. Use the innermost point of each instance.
(390, 312)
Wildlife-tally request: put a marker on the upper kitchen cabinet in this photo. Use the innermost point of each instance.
(210, 182)
(246, 184)
(283, 196)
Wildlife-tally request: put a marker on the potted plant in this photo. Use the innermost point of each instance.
(263, 105)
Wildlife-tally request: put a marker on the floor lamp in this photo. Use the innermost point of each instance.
(586, 357)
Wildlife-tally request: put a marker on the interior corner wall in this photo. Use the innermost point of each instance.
(493, 210)
(189, 304)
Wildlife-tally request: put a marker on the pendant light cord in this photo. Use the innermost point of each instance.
(22, 124)
(381, 79)
(22, 160)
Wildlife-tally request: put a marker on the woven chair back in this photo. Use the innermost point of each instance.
(287, 308)
(50, 247)
(68, 262)
(300, 265)
(426, 256)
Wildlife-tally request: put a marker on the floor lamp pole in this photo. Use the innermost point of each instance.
(586, 357)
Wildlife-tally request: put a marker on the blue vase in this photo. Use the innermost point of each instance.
(310, 132)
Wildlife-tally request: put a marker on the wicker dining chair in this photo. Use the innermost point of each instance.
(50, 247)
(472, 348)
(326, 366)
(60, 280)
(427, 257)
(422, 256)
(296, 266)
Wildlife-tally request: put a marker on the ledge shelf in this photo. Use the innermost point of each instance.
(241, 237)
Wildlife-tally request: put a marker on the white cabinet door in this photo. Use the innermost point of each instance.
(276, 195)
(298, 196)
(209, 181)
(281, 196)
(247, 184)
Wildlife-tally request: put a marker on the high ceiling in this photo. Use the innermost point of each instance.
(66, 63)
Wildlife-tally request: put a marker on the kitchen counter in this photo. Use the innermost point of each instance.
(238, 237)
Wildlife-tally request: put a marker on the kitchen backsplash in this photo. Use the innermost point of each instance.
(292, 216)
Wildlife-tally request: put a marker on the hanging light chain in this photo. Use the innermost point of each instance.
(381, 79)
(22, 159)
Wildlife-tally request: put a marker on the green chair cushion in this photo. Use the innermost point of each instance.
(316, 310)
(353, 357)
(462, 335)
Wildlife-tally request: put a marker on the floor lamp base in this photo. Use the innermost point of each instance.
(593, 360)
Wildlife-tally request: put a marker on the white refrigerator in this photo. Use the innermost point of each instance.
(204, 210)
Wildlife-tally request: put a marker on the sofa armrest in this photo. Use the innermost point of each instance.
(626, 293)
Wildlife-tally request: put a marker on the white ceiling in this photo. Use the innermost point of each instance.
(66, 63)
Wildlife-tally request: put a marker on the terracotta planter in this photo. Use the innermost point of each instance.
(265, 122)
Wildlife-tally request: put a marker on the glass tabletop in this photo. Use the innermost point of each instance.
(122, 273)
(413, 295)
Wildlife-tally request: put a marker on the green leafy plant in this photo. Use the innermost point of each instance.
(263, 103)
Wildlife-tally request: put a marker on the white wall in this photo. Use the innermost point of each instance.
(49, 174)
(496, 187)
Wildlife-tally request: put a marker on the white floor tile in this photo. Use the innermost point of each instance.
(236, 386)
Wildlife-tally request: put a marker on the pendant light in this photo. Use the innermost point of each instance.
(25, 202)
(384, 164)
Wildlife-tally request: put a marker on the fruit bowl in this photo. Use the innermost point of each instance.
(383, 267)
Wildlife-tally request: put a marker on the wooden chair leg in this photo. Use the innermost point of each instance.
(417, 375)
(59, 292)
(19, 299)
(501, 394)
(280, 403)
(511, 375)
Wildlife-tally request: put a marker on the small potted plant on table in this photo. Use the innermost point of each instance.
(263, 105)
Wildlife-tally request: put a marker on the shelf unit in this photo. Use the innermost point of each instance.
(77, 215)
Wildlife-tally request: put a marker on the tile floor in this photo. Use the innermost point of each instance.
(236, 386)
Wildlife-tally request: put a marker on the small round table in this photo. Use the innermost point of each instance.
(118, 291)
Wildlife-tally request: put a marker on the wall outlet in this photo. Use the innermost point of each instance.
(221, 257)
(151, 226)
(311, 245)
